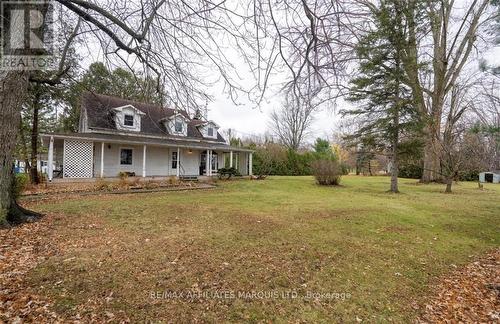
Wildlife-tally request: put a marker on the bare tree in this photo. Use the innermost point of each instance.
(291, 123)
(450, 155)
(312, 44)
(461, 111)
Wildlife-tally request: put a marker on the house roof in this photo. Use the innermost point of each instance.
(492, 171)
(134, 139)
(100, 116)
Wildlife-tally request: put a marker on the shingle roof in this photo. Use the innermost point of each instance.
(140, 140)
(100, 115)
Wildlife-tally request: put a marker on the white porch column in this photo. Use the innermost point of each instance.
(178, 162)
(144, 161)
(209, 162)
(102, 160)
(230, 159)
(211, 158)
(250, 168)
(50, 162)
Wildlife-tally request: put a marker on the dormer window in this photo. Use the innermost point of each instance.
(208, 129)
(178, 126)
(128, 120)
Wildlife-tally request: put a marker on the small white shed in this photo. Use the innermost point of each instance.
(491, 176)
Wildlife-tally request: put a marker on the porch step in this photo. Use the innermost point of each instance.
(188, 178)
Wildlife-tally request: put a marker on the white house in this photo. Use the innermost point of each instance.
(117, 135)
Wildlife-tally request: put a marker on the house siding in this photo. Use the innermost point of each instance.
(157, 160)
(190, 162)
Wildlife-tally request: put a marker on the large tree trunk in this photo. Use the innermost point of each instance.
(34, 138)
(394, 155)
(431, 162)
(394, 171)
(13, 90)
(13, 87)
(449, 182)
(432, 169)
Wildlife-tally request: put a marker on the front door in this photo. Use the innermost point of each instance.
(203, 162)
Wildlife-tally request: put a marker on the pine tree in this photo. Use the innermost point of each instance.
(385, 103)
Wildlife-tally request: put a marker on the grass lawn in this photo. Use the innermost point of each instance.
(283, 237)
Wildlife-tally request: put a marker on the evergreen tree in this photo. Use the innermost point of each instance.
(323, 149)
(385, 108)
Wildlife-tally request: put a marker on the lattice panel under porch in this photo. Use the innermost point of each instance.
(78, 159)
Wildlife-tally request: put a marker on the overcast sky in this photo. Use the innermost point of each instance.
(245, 118)
(249, 120)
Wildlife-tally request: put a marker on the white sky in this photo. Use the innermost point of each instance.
(248, 120)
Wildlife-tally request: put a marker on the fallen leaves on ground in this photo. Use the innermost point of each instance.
(21, 249)
(469, 295)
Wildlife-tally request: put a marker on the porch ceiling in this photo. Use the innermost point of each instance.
(131, 140)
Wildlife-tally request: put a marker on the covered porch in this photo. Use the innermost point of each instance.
(91, 156)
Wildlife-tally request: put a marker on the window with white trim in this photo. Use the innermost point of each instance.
(174, 160)
(210, 132)
(125, 156)
(178, 126)
(128, 120)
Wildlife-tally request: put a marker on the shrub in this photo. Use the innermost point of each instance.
(345, 168)
(411, 171)
(151, 185)
(136, 182)
(469, 175)
(22, 180)
(327, 172)
(274, 159)
(173, 181)
(228, 172)
(101, 184)
(124, 184)
(123, 175)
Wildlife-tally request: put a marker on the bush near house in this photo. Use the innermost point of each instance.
(228, 173)
(275, 159)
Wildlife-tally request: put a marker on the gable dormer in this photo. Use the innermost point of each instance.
(209, 129)
(176, 124)
(128, 118)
